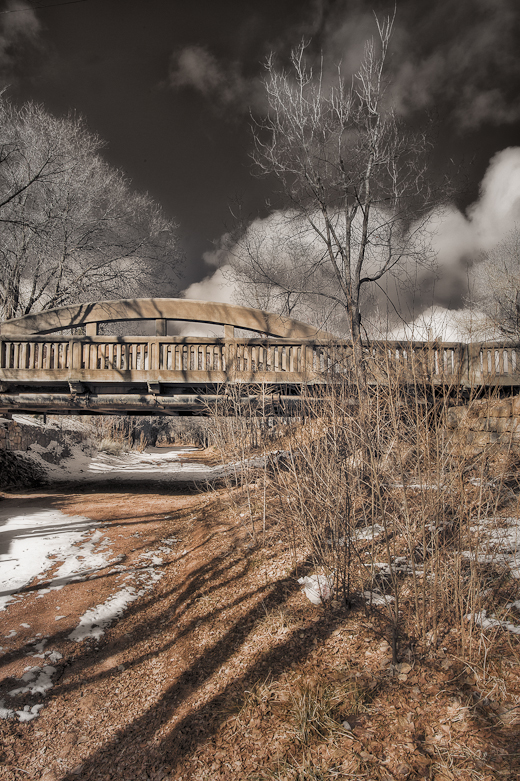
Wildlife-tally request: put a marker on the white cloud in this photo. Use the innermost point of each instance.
(445, 325)
(216, 287)
(497, 211)
(458, 242)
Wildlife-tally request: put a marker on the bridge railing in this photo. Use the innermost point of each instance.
(111, 358)
(195, 359)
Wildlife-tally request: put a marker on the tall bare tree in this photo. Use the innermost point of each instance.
(358, 198)
(71, 228)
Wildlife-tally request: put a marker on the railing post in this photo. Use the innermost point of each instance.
(474, 371)
(464, 362)
(230, 350)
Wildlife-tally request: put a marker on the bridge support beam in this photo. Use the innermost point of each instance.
(148, 404)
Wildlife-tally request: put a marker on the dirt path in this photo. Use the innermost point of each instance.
(202, 675)
(36, 630)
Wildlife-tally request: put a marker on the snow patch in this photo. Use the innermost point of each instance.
(35, 542)
(374, 598)
(490, 622)
(27, 714)
(36, 680)
(95, 620)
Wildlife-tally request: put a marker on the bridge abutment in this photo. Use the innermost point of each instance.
(485, 422)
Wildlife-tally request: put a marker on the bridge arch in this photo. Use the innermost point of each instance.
(161, 310)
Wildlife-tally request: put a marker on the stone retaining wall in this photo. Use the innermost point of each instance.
(487, 422)
(20, 436)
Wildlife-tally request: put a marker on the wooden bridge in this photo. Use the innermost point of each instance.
(57, 362)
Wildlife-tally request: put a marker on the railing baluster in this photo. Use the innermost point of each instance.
(484, 363)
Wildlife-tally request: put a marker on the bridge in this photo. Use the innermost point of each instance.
(58, 362)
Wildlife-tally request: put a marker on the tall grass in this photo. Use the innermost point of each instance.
(386, 500)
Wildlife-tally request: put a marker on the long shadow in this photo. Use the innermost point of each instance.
(197, 580)
(169, 645)
(136, 607)
(203, 721)
(167, 486)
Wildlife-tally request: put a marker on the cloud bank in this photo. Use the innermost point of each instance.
(458, 243)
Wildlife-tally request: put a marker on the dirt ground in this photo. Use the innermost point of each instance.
(213, 673)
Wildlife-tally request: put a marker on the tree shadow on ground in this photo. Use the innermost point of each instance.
(201, 722)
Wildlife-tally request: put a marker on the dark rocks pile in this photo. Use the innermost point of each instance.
(17, 471)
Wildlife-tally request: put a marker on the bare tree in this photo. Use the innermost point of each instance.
(497, 289)
(358, 198)
(72, 229)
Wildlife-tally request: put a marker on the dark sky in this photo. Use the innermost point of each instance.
(169, 85)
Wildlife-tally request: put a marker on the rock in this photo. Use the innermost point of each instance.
(16, 471)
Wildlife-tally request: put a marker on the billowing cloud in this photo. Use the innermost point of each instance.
(215, 287)
(460, 240)
(497, 212)
(293, 256)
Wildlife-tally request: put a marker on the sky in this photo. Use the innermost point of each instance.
(173, 87)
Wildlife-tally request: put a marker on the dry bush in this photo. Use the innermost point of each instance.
(386, 502)
(379, 494)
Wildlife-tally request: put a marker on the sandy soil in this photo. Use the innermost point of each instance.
(204, 675)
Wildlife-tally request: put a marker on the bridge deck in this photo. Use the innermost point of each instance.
(168, 374)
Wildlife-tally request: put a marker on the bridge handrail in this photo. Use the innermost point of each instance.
(112, 358)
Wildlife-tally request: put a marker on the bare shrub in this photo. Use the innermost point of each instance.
(387, 501)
